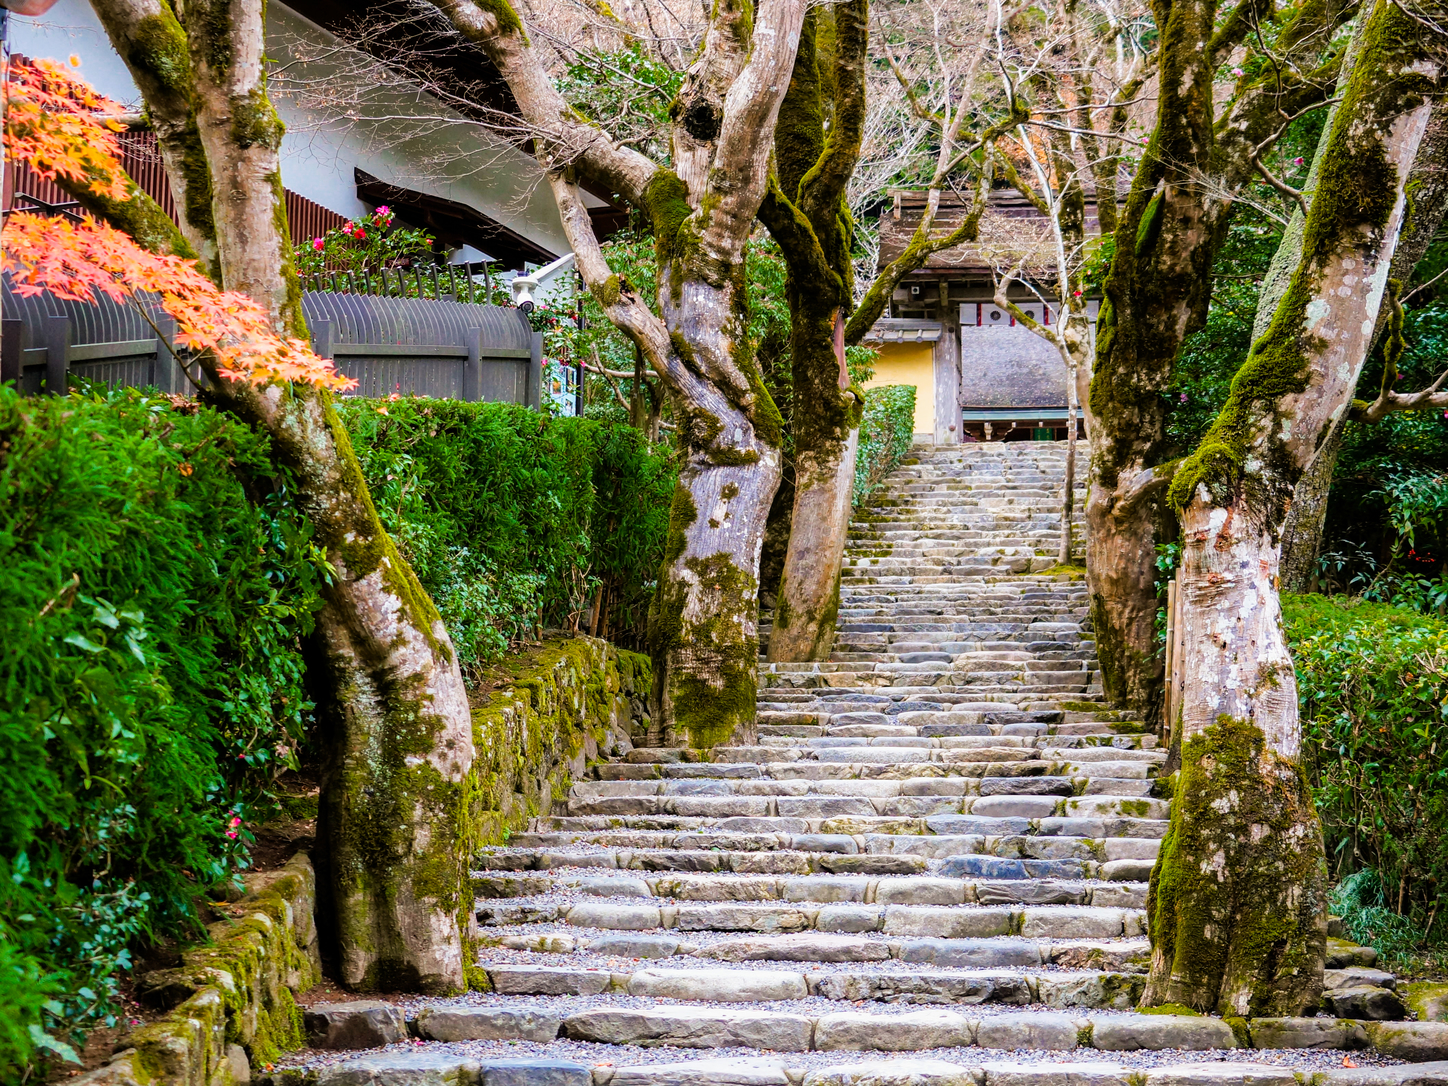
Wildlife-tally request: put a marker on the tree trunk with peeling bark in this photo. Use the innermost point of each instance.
(703, 624)
(1157, 292)
(1238, 898)
(398, 747)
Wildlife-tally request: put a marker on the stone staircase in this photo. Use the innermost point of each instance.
(931, 870)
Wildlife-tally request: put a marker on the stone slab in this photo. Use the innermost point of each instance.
(911, 1032)
(893, 1073)
(546, 980)
(1417, 1042)
(718, 985)
(418, 1068)
(692, 1027)
(487, 1024)
(363, 1023)
(540, 1072)
(723, 1072)
(1130, 1032)
(1050, 1032)
(1329, 1033)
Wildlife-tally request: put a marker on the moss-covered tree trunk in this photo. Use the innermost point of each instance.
(398, 741)
(704, 619)
(1307, 516)
(1238, 896)
(826, 437)
(817, 144)
(1158, 289)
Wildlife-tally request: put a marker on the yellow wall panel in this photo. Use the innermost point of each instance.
(910, 364)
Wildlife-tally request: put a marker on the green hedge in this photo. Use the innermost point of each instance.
(1373, 685)
(150, 687)
(886, 431)
(514, 520)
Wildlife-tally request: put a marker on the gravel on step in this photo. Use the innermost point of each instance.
(590, 1054)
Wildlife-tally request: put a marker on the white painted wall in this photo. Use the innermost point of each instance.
(414, 149)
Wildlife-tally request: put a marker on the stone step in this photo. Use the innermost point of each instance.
(817, 890)
(960, 856)
(1059, 789)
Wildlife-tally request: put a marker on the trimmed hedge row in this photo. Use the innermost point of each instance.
(515, 521)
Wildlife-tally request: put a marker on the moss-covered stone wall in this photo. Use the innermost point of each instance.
(232, 1001)
(555, 709)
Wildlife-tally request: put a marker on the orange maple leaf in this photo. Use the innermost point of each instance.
(63, 128)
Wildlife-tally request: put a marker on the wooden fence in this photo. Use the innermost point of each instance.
(424, 346)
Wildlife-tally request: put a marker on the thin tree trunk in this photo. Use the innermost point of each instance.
(703, 626)
(1068, 487)
(1302, 530)
(1120, 558)
(1238, 898)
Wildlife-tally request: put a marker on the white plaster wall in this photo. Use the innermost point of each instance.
(411, 149)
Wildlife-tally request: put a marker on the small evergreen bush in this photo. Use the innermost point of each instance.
(153, 589)
(886, 431)
(1373, 688)
(514, 520)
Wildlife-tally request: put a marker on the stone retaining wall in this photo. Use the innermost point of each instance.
(571, 702)
(233, 1000)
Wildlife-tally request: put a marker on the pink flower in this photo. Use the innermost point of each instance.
(384, 210)
(235, 821)
(231, 834)
(1297, 162)
(318, 244)
(1237, 72)
(1184, 397)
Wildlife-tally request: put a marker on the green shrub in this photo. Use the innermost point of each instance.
(514, 520)
(1373, 689)
(886, 431)
(150, 687)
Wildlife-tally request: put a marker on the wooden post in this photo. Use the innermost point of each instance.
(534, 393)
(57, 355)
(166, 375)
(473, 367)
(322, 339)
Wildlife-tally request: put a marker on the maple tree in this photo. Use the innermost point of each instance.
(393, 723)
(64, 129)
